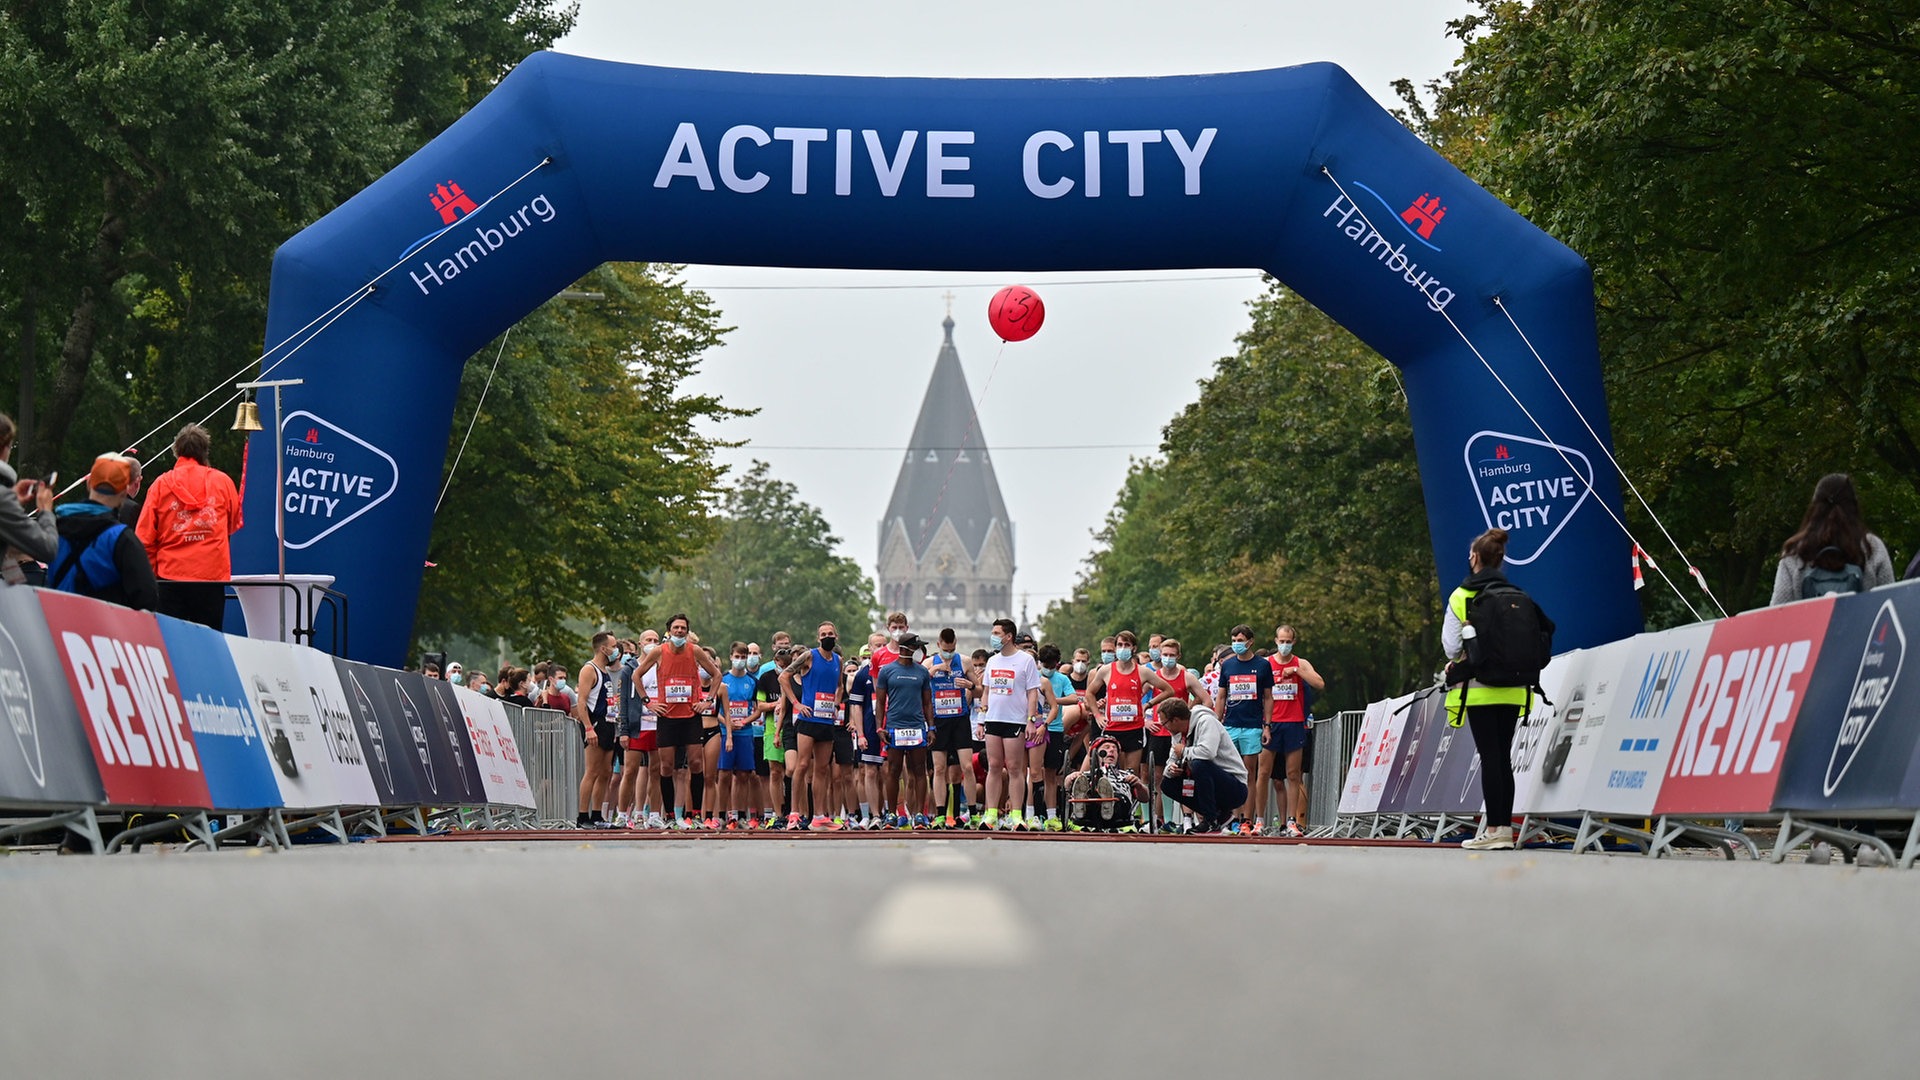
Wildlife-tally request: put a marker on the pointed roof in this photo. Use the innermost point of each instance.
(948, 472)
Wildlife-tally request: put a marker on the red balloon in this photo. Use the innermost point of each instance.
(1016, 313)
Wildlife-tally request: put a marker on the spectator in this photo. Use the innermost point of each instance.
(129, 512)
(430, 669)
(1833, 551)
(26, 522)
(514, 684)
(98, 555)
(1205, 773)
(456, 674)
(190, 512)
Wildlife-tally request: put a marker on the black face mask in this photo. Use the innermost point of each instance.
(828, 642)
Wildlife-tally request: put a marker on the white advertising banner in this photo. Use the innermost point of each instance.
(495, 750)
(353, 784)
(1377, 764)
(1656, 684)
(290, 732)
(1583, 701)
(1529, 739)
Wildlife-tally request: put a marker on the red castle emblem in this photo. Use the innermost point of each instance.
(454, 203)
(1425, 213)
(1500, 452)
(313, 434)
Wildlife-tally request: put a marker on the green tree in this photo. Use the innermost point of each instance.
(585, 473)
(772, 567)
(1287, 493)
(159, 151)
(1743, 177)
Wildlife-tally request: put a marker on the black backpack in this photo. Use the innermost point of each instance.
(1509, 639)
(1820, 581)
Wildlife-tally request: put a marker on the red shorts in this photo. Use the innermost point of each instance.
(646, 742)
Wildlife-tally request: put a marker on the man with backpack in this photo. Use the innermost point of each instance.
(98, 555)
(1497, 641)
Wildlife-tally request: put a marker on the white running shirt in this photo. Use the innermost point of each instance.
(1008, 678)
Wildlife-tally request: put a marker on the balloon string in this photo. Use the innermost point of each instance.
(933, 515)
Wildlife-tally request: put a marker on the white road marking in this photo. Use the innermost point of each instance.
(946, 923)
(942, 859)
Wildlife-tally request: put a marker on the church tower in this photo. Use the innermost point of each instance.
(946, 546)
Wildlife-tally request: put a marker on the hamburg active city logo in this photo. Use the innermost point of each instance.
(333, 476)
(1529, 487)
(1881, 659)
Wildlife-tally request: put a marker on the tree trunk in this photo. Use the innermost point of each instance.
(104, 269)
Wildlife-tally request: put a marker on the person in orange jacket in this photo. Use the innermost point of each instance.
(189, 513)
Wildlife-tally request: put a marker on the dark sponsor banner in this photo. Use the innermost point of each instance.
(1419, 740)
(225, 728)
(452, 776)
(130, 709)
(451, 717)
(393, 759)
(1860, 721)
(1732, 740)
(44, 759)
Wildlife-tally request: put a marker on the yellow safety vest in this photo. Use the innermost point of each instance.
(1474, 692)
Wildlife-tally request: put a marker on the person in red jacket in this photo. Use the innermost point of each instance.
(189, 513)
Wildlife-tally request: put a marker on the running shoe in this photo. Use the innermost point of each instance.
(951, 822)
(656, 822)
(620, 820)
(922, 821)
(732, 825)
(794, 822)
(777, 824)
(1071, 827)
(1014, 822)
(1128, 829)
(713, 821)
(1053, 824)
(827, 824)
(989, 819)
(1294, 830)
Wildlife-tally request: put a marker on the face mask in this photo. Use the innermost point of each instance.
(679, 641)
(946, 657)
(1106, 656)
(1123, 653)
(827, 642)
(1169, 662)
(1284, 648)
(997, 642)
(650, 646)
(753, 659)
(1079, 667)
(739, 663)
(896, 635)
(457, 678)
(1239, 648)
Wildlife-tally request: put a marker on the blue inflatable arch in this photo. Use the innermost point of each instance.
(1297, 171)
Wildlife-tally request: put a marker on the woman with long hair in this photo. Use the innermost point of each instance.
(1491, 713)
(1832, 551)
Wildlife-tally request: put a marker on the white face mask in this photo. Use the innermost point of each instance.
(1079, 667)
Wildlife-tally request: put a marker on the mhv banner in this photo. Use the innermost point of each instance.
(225, 729)
(1656, 686)
(135, 723)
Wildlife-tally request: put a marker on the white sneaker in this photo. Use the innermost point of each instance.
(656, 822)
(1498, 838)
(622, 821)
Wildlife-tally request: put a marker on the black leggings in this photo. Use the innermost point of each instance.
(1492, 727)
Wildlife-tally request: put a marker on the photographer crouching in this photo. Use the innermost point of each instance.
(1204, 772)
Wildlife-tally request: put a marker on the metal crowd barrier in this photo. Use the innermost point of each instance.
(1333, 741)
(555, 760)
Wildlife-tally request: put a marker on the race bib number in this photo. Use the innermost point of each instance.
(738, 710)
(1243, 687)
(1286, 691)
(1123, 712)
(909, 737)
(679, 693)
(1000, 681)
(947, 703)
(824, 708)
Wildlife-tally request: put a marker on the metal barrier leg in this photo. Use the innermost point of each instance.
(1794, 833)
(193, 821)
(1913, 845)
(84, 823)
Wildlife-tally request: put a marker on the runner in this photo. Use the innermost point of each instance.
(1286, 737)
(1012, 696)
(636, 735)
(813, 685)
(952, 732)
(1185, 686)
(739, 761)
(863, 718)
(1246, 683)
(781, 640)
(1119, 690)
(847, 743)
(677, 664)
(908, 688)
(1077, 716)
(597, 688)
(779, 720)
(1052, 757)
(977, 675)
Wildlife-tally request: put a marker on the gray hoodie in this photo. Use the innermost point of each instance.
(28, 536)
(1207, 741)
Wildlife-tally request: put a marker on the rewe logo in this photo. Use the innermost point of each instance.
(452, 202)
(16, 698)
(329, 485)
(1526, 487)
(1424, 215)
(127, 692)
(1873, 683)
(1738, 706)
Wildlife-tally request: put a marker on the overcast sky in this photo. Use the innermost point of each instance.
(1132, 345)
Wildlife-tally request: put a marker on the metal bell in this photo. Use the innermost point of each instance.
(247, 418)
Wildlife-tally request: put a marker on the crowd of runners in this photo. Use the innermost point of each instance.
(906, 733)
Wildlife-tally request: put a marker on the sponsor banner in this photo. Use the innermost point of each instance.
(130, 709)
(339, 735)
(291, 737)
(1437, 783)
(1585, 695)
(1529, 739)
(1740, 716)
(225, 729)
(393, 747)
(1656, 686)
(1366, 744)
(44, 758)
(1860, 722)
(446, 729)
(1419, 738)
(495, 749)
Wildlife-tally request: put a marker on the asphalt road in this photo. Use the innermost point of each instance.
(884, 956)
